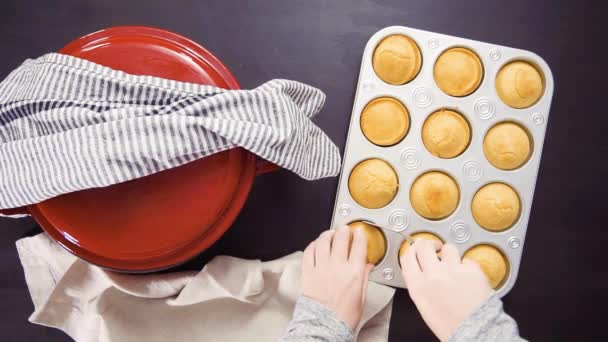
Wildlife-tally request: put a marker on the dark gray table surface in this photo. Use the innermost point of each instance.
(562, 282)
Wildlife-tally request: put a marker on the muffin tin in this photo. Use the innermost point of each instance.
(482, 109)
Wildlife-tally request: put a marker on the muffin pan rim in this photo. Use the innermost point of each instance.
(460, 223)
(533, 58)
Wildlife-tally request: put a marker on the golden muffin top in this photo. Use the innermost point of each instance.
(373, 183)
(397, 59)
(507, 146)
(458, 71)
(376, 244)
(434, 195)
(492, 262)
(496, 207)
(385, 121)
(418, 236)
(519, 84)
(446, 134)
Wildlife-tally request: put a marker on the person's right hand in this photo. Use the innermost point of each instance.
(445, 291)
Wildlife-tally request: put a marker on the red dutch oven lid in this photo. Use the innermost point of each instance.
(164, 219)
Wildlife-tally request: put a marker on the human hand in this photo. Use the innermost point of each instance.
(445, 291)
(336, 278)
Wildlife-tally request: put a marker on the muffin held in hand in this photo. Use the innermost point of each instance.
(446, 134)
(397, 59)
(376, 244)
(458, 72)
(385, 121)
(434, 195)
(418, 236)
(492, 262)
(373, 183)
(519, 84)
(496, 207)
(507, 146)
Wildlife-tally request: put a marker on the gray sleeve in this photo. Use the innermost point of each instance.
(488, 323)
(314, 322)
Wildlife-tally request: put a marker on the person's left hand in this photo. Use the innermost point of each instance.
(336, 278)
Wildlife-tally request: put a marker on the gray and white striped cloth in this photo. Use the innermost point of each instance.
(67, 124)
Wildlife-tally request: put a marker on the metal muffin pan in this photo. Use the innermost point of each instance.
(471, 170)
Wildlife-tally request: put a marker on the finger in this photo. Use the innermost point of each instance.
(449, 254)
(358, 250)
(368, 270)
(426, 254)
(473, 264)
(410, 269)
(308, 260)
(323, 247)
(339, 246)
(466, 261)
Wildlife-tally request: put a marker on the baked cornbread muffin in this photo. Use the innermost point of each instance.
(496, 207)
(446, 133)
(373, 183)
(507, 146)
(397, 59)
(519, 84)
(458, 71)
(434, 195)
(418, 236)
(385, 121)
(376, 244)
(493, 263)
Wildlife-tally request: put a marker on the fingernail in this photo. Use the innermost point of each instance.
(359, 231)
(343, 228)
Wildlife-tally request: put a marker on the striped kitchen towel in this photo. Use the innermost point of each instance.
(67, 124)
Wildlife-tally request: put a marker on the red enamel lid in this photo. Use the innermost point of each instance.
(164, 219)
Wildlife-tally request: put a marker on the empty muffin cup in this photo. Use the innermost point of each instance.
(376, 242)
(458, 71)
(492, 261)
(385, 121)
(397, 59)
(496, 207)
(434, 195)
(446, 133)
(507, 146)
(373, 183)
(519, 84)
